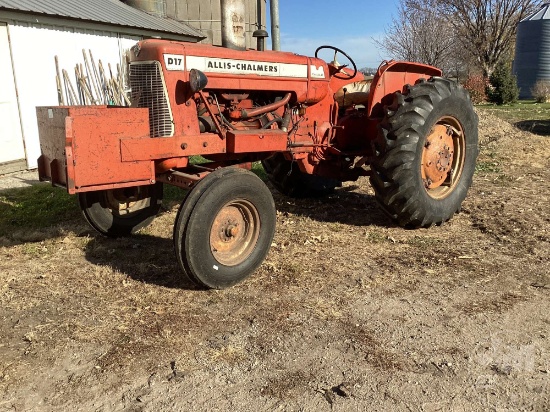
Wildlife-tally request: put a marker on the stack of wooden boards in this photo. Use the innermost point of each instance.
(93, 85)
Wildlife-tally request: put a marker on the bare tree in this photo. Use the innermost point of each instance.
(420, 34)
(485, 28)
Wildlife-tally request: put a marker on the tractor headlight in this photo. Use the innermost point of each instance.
(197, 80)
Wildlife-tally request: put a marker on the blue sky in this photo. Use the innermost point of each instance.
(347, 24)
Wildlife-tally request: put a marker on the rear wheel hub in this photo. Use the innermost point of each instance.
(443, 157)
(437, 156)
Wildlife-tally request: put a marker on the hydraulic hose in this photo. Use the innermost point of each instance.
(246, 114)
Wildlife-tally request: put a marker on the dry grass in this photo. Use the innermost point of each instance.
(344, 296)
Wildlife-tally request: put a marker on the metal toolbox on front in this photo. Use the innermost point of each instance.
(81, 147)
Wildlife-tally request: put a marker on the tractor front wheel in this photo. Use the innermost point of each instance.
(224, 228)
(121, 212)
(427, 149)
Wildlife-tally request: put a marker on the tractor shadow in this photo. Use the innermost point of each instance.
(538, 127)
(141, 257)
(37, 213)
(41, 212)
(345, 205)
(151, 259)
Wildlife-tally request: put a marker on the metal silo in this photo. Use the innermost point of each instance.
(532, 60)
(154, 7)
(206, 16)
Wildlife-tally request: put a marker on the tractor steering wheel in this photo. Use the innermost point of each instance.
(340, 74)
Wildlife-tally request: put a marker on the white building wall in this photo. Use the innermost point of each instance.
(12, 150)
(34, 47)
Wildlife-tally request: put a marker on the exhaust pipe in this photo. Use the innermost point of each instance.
(260, 35)
(275, 26)
(233, 24)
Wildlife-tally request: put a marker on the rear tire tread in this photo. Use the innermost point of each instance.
(396, 172)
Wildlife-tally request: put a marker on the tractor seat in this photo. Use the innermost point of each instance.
(355, 93)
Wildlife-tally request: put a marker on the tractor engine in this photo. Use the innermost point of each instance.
(193, 88)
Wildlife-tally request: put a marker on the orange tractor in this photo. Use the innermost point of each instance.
(312, 124)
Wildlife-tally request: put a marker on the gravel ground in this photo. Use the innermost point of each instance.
(347, 313)
(18, 179)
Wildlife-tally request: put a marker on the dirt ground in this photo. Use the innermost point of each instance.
(348, 312)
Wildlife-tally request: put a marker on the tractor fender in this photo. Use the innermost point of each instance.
(393, 76)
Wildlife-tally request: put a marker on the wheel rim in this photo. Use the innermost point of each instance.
(124, 202)
(443, 157)
(234, 232)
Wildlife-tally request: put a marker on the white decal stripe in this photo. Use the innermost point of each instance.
(174, 62)
(294, 70)
(194, 62)
(317, 72)
(231, 66)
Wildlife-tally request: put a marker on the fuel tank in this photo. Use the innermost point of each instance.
(306, 78)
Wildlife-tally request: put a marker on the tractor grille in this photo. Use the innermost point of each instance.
(149, 90)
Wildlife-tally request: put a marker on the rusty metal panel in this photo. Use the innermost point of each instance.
(260, 141)
(234, 24)
(171, 147)
(393, 76)
(81, 146)
(96, 137)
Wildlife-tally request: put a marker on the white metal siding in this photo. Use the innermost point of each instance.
(34, 48)
(11, 140)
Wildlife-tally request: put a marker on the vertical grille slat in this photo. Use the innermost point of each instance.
(149, 90)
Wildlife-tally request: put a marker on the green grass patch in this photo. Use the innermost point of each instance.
(41, 206)
(423, 241)
(259, 170)
(35, 207)
(526, 115)
(197, 160)
(376, 237)
(487, 167)
(173, 195)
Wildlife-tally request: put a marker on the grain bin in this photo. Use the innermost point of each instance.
(532, 60)
(206, 16)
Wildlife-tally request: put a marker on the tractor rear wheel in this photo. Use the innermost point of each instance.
(121, 212)
(291, 181)
(427, 149)
(224, 228)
